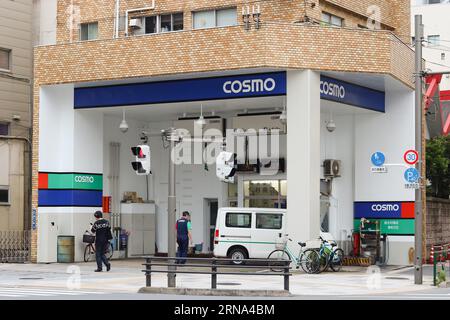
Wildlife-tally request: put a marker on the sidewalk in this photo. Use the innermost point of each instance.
(126, 277)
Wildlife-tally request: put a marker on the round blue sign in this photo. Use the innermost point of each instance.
(412, 175)
(378, 159)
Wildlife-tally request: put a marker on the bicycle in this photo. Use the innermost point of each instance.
(308, 259)
(89, 250)
(329, 256)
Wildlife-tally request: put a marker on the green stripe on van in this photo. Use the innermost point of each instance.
(248, 242)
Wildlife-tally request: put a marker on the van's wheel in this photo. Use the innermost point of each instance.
(237, 255)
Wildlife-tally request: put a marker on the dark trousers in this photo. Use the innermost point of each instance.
(100, 257)
(183, 245)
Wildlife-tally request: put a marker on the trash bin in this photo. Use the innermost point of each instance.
(199, 248)
(66, 249)
(123, 243)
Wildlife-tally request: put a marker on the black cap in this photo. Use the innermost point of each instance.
(98, 214)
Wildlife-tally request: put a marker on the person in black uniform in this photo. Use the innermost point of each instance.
(102, 230)
(184, 236)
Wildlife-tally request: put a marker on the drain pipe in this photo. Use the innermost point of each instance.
(127, 12)
(117, 20)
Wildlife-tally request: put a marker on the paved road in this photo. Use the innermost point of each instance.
(51, 282)
(8, 293)
(47, 294)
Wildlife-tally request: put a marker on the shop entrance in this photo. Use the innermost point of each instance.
(211, 207)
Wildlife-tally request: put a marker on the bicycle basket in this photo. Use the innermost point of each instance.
(87, 238)
(280, 244)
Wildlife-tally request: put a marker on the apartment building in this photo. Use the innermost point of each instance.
(334, 76)
(436, 52)
(16, 70)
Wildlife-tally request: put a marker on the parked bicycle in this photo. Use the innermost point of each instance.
(308, 259)
(330, 256)
(89, 250)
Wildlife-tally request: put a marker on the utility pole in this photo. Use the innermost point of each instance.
(171, 209)
(418, 274)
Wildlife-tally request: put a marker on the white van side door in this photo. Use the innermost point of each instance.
(237, 229)
(267, 229)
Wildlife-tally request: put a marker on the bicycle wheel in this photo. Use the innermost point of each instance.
(337, 259)
(278, 258)
(88, 253)
(324, 259)
(310, 261)
(109, 251)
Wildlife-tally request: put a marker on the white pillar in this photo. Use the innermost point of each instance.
(303, 155)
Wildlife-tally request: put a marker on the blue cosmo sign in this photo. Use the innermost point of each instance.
(384, 210)
(246, 86)
(218, 88)
(348, 93)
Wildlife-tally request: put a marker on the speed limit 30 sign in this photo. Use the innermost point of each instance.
(411, 157)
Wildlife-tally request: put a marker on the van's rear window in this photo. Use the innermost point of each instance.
(238, 220)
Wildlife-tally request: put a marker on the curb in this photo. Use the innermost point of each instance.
(216, 292)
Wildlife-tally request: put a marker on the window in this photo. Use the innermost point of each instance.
(434, 40)
(233, 194)
(151, 24)
(4, 194)
(226, 17)
(177, 22)
(164, 23)
(5, 59)
(265, 194)
(4, 129)
(268, 221)
(238, 220)
(214, 18)
(332, 20)
(89, 31)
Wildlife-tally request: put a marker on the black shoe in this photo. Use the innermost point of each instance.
(98, 270)
(108, 267)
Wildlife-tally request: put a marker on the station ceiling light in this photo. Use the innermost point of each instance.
(201, 121)
(123, 125)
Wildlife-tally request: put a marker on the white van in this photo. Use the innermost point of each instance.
(247, 233)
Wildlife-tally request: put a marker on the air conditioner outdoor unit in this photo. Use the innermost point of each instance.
(136, 23)
(332, 168)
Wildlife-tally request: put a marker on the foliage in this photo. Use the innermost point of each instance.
(438, 167)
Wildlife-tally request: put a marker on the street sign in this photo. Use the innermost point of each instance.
(392, 226)
(411, 157)
(378, 159)
(382, 169)
(411, 175)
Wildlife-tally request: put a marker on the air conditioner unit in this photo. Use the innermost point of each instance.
(188, 124)
(257, 122)
(332, 168)
(136, 23)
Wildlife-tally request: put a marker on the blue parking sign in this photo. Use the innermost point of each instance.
(378, 159)
(411, 175)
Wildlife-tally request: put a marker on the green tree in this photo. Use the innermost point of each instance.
(438, 167)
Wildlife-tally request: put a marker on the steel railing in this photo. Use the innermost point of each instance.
(15, 246)
(215, 267)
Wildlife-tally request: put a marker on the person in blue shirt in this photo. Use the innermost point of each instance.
(184, 236)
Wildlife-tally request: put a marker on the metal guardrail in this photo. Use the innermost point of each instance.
(215, 264)
(15, 246)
